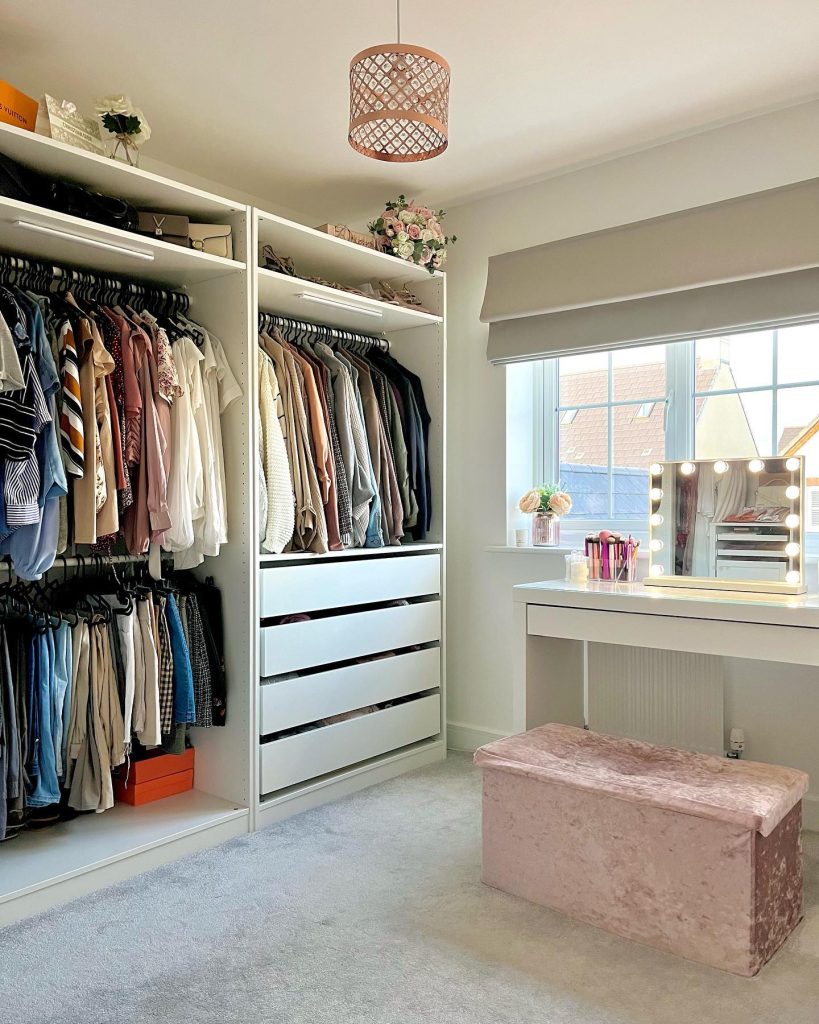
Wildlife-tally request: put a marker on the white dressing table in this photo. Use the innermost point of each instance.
(554, 619)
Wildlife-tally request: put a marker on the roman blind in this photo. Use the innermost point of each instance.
(742, 264)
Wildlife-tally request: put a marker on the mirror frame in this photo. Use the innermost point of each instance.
(741, 586)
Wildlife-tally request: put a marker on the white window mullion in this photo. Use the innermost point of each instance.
(680, 380)
(610, 422)
(546, 465)
(775, 393)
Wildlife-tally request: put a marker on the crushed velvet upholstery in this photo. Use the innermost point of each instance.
(695, 855)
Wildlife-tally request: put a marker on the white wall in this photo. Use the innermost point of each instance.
(755, 154)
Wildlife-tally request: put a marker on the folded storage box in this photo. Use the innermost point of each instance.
(696, 855)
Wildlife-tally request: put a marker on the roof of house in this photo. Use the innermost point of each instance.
(793, 439)
(637, 440)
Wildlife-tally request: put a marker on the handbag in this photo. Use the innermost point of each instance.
(216, 239)
(21, 183)
(77, 201)
(170, 227)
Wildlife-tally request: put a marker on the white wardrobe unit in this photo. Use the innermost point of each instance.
(40, 869)
(247, 774)
(382, 602)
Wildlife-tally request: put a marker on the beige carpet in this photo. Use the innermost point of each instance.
(369, 911)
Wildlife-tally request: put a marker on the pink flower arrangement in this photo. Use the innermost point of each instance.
(412, 233)
(547, 498)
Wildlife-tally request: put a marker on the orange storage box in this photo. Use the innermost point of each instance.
(16, 108)
(154, 778)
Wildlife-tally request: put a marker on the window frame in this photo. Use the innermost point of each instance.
(679, 367)
(680, 404)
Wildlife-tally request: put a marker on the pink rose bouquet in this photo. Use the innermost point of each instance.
(412, 233)
(547, 498)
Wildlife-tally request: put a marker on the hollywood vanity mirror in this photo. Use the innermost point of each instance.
(730, 524)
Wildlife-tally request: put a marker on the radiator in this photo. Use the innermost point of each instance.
(666, 697)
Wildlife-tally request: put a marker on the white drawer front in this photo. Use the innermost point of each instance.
(295, 759)
(300, 645)
(292, 702)
(308, 588)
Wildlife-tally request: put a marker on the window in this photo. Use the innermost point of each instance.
(602, 419)
(611, 427)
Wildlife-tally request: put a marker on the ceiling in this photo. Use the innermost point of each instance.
(253, 93)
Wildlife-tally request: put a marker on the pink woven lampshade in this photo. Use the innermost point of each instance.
(399, 103)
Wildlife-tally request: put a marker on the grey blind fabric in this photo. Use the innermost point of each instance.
(738, 264)
(720, 309)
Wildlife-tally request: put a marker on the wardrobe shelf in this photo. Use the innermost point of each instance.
(293, 297)
(311, 556)
(141, 188)
(320, 255)
(27, 230)
(35, 861)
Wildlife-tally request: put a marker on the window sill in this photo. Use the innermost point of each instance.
(530, 549)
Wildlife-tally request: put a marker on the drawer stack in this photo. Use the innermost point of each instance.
(358, 633)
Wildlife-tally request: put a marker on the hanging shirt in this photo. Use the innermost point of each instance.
(71, 421)
(185, 486)
(11, 372)
(280, 514)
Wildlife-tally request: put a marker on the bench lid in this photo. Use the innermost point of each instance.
(749, 794)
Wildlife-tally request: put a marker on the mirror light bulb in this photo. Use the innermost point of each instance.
(792, 492)
(792, 464)
(756, 465)
(655, 469)
(656, 544)
(792, 549)
(792, 521)
(793, 576)
(655, 519)
(687, 468)
(721, 467)
(657, 570)
(655, 493)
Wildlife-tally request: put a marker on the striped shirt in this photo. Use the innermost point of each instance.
(23, 415)
(71, 423)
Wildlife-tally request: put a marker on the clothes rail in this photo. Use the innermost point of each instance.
(89, 562)
(41, 276)
(290, 328)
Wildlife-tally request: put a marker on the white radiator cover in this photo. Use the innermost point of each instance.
(666, 697)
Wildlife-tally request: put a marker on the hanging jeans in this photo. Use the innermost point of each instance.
(184, 705)
(62, 688)
(45, 787)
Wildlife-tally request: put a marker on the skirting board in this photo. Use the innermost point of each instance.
(810, 813)
(460, 736)
(304, 798)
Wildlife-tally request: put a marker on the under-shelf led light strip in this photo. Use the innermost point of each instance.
(326, 301)
(43, 229)
(793, 548)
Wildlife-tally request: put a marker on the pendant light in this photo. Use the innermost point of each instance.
(399, 101)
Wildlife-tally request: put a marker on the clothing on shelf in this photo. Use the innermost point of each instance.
(343, 442)
(93, 671)
(110, 423)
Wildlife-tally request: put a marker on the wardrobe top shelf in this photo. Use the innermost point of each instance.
(141, 188)
(320, 255)
(40, 234)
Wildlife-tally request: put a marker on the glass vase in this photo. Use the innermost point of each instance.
(122, 148)
(545, 530)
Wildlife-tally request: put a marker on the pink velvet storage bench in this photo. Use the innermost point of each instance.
(696, 855)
